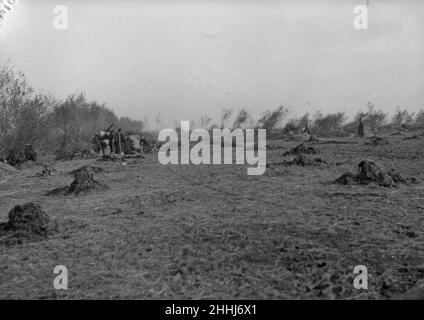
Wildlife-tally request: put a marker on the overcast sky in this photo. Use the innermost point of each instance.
(190, 58)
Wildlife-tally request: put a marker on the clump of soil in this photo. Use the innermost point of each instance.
(14, 158)
(302, 160)
(375, 141)
(301, 149)
(369, 172)
(83, 182)
(26, 222)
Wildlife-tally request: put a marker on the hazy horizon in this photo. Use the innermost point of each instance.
(186, 59)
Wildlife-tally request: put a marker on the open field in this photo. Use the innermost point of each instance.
(213, 232)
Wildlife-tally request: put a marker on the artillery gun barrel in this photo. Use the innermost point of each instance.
(110, 127)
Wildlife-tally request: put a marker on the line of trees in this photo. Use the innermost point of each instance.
(323, 125)
(28, 117)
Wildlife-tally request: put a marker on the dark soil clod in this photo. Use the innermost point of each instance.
(301, 149)
(302, 160)
(83, 182)
(369, 172)
(28, 222)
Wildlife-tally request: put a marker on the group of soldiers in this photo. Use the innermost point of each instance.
(118, 142)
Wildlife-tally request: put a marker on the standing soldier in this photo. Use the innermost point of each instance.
(98, 144)
(360, 127)
(307, 129)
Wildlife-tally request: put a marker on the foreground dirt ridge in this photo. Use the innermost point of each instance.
(198, 232)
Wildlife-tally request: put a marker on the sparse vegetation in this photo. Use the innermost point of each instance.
(146, 231)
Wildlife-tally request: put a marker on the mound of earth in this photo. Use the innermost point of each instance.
(14, 158)
(83, 182)
(369, 172)
(26, 222)
(375, 141)
(301, 149)
(302, 160)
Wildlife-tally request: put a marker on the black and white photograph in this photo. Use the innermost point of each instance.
(240, 151)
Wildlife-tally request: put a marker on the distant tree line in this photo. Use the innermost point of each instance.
(335, 124)
(28, 117)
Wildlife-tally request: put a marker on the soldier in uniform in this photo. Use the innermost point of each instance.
(360, 127)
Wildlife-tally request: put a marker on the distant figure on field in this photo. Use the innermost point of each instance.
(307, 129)
(360, 127)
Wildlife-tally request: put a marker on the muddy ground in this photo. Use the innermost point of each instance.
(212, 232)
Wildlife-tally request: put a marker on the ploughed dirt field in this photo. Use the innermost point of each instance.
(213, 232)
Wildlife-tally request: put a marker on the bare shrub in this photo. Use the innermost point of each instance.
(225, 116)
(419, 120)
(23, 113)
(243, 120)
(329, 125)
(402, 118)
(297, 125)
(270, 120)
